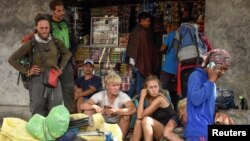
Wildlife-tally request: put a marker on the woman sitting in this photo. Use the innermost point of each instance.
(152, 118)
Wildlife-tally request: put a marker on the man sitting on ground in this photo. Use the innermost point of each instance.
(115, 105)
(86, 85)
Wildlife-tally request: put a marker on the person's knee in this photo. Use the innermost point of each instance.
(124, 121)
(125, 118)
(167, 132)
(146, 121)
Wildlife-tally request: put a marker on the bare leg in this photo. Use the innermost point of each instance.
(137, 134)
(79, 101)
(168, 131)
(152, 128)
(124, 125)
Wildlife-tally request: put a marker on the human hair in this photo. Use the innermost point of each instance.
(181, 108)
(112, 77)
(143, 15)
(182, 104)
(41, 16)
(54, 3)
(150, 78)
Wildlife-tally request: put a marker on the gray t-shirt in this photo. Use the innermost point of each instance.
(101, 99)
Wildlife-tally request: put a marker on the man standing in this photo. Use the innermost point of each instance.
(201, 94)
(116, 106)
(61, 30)
(170, 65)
(86, 85)
(43, 47)
(142, 53)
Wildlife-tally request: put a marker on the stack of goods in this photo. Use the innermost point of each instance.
(138, 9)
(95, 54)
(123, 39)
(125, 86)
(99, 54)
(115, 55)
(126, 73)
(103, 11)
(82, 53)
(198, 14)
(123, 69)
(197, 9)
(104, 31)
(167, 13)
(175, 12)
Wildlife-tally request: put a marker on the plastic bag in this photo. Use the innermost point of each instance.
(37, 128)
(58, 121)
(51, 127)
(14, 129)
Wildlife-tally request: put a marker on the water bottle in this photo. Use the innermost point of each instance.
(243, 103)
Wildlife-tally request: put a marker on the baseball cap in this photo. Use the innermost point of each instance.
(86, 61)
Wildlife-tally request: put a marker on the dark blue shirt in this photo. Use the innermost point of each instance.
(95, 81)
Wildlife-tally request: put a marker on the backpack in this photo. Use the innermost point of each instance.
(225, 99)
(26, 61)
(188, 45)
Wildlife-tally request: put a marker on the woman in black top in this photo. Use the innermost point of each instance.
(152, 118)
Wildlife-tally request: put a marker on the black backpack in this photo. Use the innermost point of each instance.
(225, 99)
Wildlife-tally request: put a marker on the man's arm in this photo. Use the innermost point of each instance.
(129, 109)
(90, 105)
(80, 93)
(14, 58)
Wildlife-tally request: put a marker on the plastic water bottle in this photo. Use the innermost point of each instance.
(108, 136)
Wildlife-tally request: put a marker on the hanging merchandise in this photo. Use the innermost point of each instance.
(167, 13)
(104, 31)
(124, 16)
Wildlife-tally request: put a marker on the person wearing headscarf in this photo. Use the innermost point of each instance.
(201, 94)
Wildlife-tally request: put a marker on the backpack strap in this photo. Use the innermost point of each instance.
(32, 42)
(56, 43)
(166, 95)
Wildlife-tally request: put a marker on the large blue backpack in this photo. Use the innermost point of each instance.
(188, 45)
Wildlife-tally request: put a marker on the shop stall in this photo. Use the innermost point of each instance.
(102, 30)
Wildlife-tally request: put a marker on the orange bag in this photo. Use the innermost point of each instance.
(51, 77)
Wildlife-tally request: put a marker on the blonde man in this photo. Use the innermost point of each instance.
(115, 105)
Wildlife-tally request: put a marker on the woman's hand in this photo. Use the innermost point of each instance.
(144, 93)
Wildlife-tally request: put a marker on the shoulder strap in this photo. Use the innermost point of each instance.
(166, 95)
(40, 52)
(33, 44)
(56, 43)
